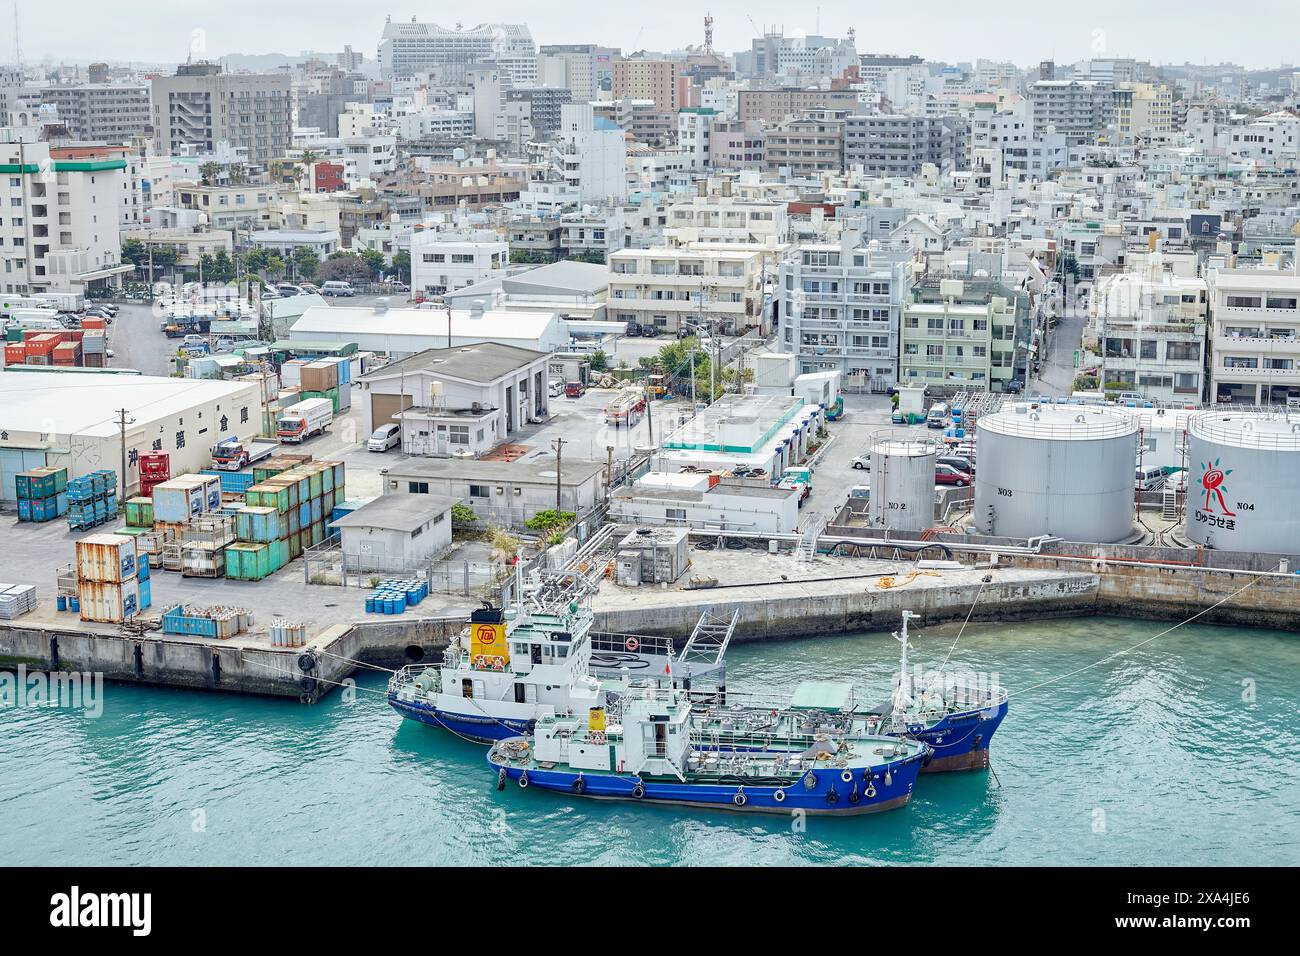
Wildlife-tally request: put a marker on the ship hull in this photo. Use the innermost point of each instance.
(961, 741)
(478, 727)
(850, 797)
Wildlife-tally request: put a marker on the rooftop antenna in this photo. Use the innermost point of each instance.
(18, 42)
(708, 33)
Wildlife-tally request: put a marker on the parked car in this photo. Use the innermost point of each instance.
(309, 287)
(956, 461)
(632, 331)
(337, 287)
(649, 332)
(1015, 386)
(948, 475)
(556, 389)
(225, 345)
(574, 390)
(385, 437)
(862, 462)
(285, 289)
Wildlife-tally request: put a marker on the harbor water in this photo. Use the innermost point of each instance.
(1183, 751)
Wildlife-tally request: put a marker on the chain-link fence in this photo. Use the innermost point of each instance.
(326, 564)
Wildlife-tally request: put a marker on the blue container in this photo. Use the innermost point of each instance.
(25, 510)
(304, 514)
(142, 571)
(146, 593)
(317, 510)
(412, 598)
(61, 602)
(74, 603)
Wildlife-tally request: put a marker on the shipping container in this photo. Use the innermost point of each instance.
(139, 512)
(248, 561)
(260, 525)
(179, 499)
(108, 602)
(320, 376)
(106, 557)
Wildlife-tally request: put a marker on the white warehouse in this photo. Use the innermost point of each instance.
(70, 419)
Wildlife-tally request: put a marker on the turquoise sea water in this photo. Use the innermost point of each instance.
(1150, 758)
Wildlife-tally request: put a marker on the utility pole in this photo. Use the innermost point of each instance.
(609, 470)
(692, 367)
(558, 445)
(122, 422)
(649, 414)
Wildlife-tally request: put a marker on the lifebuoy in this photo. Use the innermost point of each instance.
(871, 791)
(631, 644)
(740, 799)
(846, 775)
(779, 796)
(580, 785)
(523, 780)
(639, 790)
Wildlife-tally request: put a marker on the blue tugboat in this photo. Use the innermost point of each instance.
(648, 750)
(955, 719)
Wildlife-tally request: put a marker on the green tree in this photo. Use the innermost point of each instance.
(305, 262)
(550, 520)
(374, 260)
(599, 361)
(222, 269)
(209, 172)
(255, 260)
(402, 266)
(343, 267)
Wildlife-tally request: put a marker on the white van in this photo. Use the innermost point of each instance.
(938, 416)
(385, 437)
(1149, 479)
(336, 287)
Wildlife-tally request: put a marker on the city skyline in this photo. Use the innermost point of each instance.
(953, 33)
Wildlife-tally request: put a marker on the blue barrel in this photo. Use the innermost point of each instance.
(61, 602)
(74, 603)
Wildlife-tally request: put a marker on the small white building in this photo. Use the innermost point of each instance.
(695, 500)
(507, 492)
(284, 242)
(442, 263)
(457, 401)
(395, 533)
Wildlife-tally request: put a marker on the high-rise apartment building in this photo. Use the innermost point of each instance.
(201, 106)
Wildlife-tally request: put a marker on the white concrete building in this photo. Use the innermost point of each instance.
(841, 309)
(726, 219)
(1255, 348)
(395, 533)
(666, 288)
(1151, 326)
(69, 419)
(442, 262)
(692, 500)
(455, 401)
(60, 214)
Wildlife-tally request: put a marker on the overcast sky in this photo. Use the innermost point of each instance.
(1257, 33)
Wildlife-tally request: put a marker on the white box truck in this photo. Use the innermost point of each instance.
(299, 422)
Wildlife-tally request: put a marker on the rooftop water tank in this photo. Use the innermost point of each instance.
(1060, 470)
(1243, 481)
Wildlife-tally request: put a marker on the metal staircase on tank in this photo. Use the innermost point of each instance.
(806, 547)
(1169, 504)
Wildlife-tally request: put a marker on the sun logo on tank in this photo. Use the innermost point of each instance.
(1212, 477)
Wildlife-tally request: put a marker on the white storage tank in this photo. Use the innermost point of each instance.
(1243, 481)
(1063, 470)
(902, 482)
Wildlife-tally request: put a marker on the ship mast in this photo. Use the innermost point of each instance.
(902, 694)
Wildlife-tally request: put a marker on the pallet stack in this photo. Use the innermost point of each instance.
(16, 600)
(42, 494)
(92, 499)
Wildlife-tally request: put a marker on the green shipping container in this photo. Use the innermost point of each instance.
(259, 525)
(267, 495)
(139, 512)
(246, 561)
(295, 545)
(279, 554)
